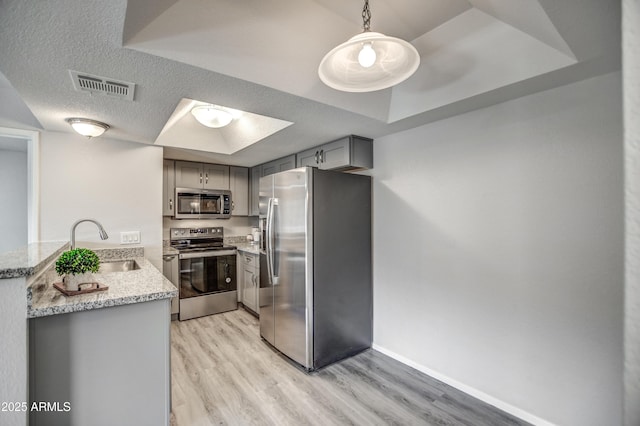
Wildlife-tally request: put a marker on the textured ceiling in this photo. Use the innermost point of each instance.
(262, 57)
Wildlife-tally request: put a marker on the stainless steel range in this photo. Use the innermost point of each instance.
(207, 268)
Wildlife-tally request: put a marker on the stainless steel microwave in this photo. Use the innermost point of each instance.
(194, 203)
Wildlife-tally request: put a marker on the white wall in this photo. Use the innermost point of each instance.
(13, 204)
(631, 61)
(498, 252)
(117, 183)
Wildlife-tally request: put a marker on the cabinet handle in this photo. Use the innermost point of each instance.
(233, 205)
(316, 157)
(322, 155)
(206, 176)
(200, 177)
(170, 204)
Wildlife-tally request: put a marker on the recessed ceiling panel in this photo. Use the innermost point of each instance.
(469, 55)
(183, 130)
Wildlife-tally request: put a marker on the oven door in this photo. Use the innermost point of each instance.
(207, 272)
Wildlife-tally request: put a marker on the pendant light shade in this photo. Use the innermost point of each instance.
(87, 127)
(368, 61)
(212, 116)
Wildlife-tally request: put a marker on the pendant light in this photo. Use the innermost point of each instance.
(87, 127)
(368, 61)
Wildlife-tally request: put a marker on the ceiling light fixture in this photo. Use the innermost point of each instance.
(87, 127)
(368, 61)
(212, 116)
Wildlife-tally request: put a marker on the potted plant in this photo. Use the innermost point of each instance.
(76, 267)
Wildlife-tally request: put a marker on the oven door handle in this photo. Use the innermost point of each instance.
(213, 253)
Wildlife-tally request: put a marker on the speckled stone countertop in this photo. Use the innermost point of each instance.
(142, 285)
(248, 248)
(31, 259)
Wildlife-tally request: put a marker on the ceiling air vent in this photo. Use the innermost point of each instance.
(104, 85)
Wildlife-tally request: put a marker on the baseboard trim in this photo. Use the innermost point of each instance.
(507, 408)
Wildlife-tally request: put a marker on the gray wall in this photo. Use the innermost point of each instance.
(631, 49)
(498, 252)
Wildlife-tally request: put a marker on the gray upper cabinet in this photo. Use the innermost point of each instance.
(254, 190)
(201, 175)
(168, 187)
(279, 165)
(239, 185)
(351, 152)
(216, 176)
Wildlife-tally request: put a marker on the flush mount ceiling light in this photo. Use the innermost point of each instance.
(212, 116)
(87, 127)
(368, 61)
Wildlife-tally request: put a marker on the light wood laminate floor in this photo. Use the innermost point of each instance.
(224, 374)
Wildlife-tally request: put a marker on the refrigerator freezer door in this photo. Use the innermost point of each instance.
(267, 330)
(292, 264)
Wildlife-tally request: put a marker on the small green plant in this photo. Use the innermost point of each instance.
(77, 261)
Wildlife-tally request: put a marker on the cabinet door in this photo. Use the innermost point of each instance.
(239, 276)
(308, 158)
(334, 155)
(269, 168)
(168, 187)
(170, 269)
(249, 288)
(239, 185)
(215, 176)
(279, 165)
(254, 191)
(287, 163)
(189, 174)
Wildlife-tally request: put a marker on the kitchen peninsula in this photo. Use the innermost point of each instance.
(106, 354)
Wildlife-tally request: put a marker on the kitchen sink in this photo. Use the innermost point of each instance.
(118, 266)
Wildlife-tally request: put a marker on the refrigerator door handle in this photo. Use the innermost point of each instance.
(273, 279)
(268, 240)
(274, 272)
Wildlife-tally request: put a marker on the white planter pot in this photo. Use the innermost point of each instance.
(72, 282)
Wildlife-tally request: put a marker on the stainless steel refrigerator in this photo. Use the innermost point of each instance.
(316, 299)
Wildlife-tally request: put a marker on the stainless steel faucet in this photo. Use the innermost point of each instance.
(101, 231)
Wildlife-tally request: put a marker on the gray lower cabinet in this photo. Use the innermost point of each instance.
(170, 269)
(108, 366)
(351, 152)
(250, 279)
(239, 186)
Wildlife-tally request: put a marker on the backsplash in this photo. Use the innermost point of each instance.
(235, 227)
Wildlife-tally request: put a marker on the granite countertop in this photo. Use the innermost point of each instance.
(31, 259)
(142, 285)
(169, 251)
(248, 248)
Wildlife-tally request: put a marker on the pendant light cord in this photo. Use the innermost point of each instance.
(366, 17)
